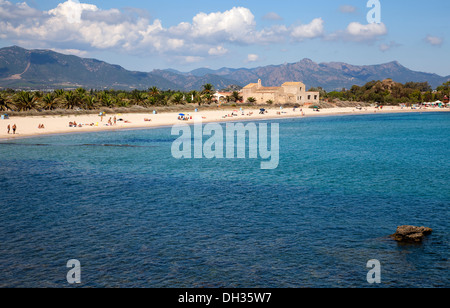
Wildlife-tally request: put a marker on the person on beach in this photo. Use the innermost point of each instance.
(14, 129)
(115, 120)
(9, 128)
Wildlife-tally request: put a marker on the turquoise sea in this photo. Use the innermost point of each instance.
(136, 217)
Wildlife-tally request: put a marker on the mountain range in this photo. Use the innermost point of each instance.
(44, 69)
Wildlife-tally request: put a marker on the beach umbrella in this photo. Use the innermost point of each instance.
(181, 114)
(262, 109)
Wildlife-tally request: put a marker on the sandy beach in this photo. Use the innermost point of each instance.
(29, 126)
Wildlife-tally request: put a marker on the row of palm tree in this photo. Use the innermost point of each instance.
(93, 99)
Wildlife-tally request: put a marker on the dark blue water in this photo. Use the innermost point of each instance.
(136, 217)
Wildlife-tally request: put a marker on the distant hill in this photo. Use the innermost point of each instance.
(39, 69)
(330, 76)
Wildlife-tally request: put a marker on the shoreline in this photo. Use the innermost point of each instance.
(27, 127)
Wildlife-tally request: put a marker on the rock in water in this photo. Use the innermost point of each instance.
(411, 234)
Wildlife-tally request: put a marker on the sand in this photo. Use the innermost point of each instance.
(28, 126)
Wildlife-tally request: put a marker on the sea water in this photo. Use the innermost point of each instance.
(134, 216)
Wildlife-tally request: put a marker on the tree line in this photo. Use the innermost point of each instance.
(12, 100)
(388, 92)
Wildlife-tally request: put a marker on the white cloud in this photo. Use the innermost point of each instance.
(71, 10)
(272, 16)
(359, 32)
(274, 34)
(308, 31)
(76, 52)
(233, 25)
(347, 9)
(19, 11)
(192, 59)
(385, 47)
(217, 51)
(84, 27)
(362, 33)
(252, 58)
(75, 25)
(434, 40)
(78, 24)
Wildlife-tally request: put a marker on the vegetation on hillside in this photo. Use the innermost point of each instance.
(388, 92)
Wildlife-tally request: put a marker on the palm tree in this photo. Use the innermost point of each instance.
(4, 106)
(207, 92)
(195, 97)
(80, 92)
(152, 100)
(49, 101)
(71, 99)
(208, 98)
(122, 102)
(208, 88)
(106, 99)
(38, 95)
(138, 96)
(89, 102)
(236, 96)
(178, 98)
(25, 100)
(153, 95)
(80, 97)
(251, 99)
(154, 91)
(59, 93)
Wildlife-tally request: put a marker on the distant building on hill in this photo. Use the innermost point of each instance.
(289, 92)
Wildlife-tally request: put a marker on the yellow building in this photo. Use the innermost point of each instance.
(289, 92)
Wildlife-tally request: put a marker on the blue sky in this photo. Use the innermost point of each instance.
(147, 35)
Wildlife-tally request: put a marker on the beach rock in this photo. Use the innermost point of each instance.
(411, 234)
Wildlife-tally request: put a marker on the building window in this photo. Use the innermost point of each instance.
(315, 97)
(309, 97)
(301, 88)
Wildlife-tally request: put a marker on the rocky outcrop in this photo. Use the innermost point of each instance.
(411, 234)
